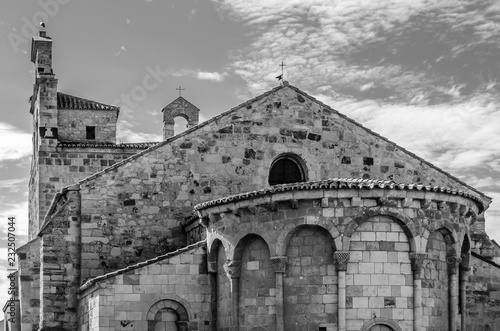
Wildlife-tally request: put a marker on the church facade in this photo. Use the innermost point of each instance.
(279, 214)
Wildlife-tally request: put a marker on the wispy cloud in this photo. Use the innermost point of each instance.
(201, 75)
(212, 76)
(17, 146)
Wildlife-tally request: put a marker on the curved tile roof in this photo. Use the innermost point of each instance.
(66, 101)
(338, 183)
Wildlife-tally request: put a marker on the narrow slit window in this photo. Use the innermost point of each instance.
(91, 132)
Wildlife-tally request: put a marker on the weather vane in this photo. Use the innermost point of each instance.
(282, 65)
(180, 89)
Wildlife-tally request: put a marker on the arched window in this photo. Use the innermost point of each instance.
(167, 315)
(287, 169)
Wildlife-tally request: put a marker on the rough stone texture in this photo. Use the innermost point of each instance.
(56, 168)
(73, 124)
(131, 300)
(310, 286)
(224, 307)
(256, 286)
(60, 266)
(142, 208)
(136, 209)
(379, 278)
(29, 289)
(379, 236)
(435, 294)
(179, 107)
(483, 295)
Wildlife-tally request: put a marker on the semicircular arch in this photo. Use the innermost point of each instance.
(394, 214)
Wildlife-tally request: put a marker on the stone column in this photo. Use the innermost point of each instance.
(279, 265)
(417, 260)
(341, 258)
(233, 269)
(212, 274)
(453, 265)
(464, 275)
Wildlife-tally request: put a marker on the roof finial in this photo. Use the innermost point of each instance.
(180, 89)
(282, 65)
(43, 32)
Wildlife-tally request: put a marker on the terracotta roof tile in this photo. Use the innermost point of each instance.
(336, 183)
(66, 101)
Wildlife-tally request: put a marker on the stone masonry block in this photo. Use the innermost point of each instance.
(362, 279)
(359, 302)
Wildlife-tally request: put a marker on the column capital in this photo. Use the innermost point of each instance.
(233, 268)
(279, 263)
(341, 258)
(417, 263)
(453, 264)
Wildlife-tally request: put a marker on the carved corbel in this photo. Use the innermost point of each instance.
(279, 264)
(233, 269)
(453, 264)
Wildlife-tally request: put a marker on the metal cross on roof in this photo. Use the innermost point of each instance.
(180, 89)
(282, 65)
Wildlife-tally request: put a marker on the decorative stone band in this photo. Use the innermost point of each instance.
(233, 269)
(417, 262)
(279, 263)
(341, 258)
(453, 264)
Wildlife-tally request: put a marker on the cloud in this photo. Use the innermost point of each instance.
(127, 133)
(201, 75)
(17, 146)
(213, 76)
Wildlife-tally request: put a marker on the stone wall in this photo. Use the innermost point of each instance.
(55, 168)
(483, 295)
(60, 265)
(29, 287)
(379, 278)
(132, 300)
(379, 247)
(435, 293)
(257, 288)
(310, 284)
(135, 210)
(73, 124)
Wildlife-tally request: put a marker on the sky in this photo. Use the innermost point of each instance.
(423, 73)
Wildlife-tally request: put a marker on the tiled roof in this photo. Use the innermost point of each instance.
(66, 101)
(337, 183)
(96, 144)
(92, 281)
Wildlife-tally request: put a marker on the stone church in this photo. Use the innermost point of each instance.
(278, 214)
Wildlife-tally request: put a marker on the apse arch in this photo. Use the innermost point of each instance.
(393, 214)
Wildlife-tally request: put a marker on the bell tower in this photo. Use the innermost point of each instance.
(179, 107)
(45, 123)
